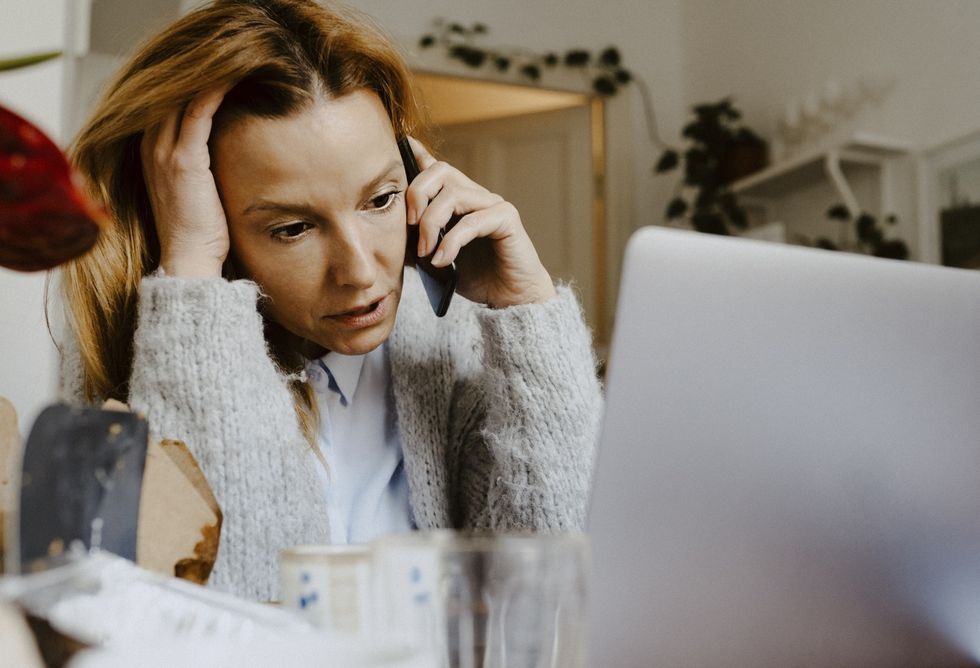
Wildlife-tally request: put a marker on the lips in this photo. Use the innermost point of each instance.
(365, 315)
(361, 311)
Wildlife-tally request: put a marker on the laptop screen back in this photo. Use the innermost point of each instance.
(789, 467)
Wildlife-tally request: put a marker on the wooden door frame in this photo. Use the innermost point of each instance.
(597, 138)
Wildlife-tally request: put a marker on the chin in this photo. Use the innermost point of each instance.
(360, 343)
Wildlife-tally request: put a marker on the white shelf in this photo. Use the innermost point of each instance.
(861, 149)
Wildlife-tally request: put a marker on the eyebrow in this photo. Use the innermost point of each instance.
(277, 207)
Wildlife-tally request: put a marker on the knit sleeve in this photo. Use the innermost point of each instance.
(202, 374)
(69, 369)
(529, 465)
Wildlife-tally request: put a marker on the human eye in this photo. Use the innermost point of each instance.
(290, 231)
(384, 202)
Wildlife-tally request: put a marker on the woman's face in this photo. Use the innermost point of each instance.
(316, 214)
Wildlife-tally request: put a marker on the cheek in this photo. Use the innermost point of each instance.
(288, 276)
(395, 240)
(293, 298)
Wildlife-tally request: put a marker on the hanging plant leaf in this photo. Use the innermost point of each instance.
(502, 63)
(479, 28)
(676, 209)
(736, 214)
(726, 109)
(471, 56)
(427, 41)
(710, 223)
(871, 236)
(551, 59)
(623, 76)
(577, 58)
(698, 168)
(456, 28)
(710, 112)
(894, 249)
(839, 212)
(704, 131)
(668, 161)
(747, 136)
(604, 86)
(727, 201)
(531, 72)
(825, 244)
(610, 57)
(738, 217)
(707, 198)
(867, 229)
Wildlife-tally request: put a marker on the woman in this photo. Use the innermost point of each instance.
(251, 297)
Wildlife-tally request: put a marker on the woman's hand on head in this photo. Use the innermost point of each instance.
(496, 260)
(190, 220)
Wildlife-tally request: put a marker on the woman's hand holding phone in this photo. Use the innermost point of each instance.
(190, 220)
(496, 261)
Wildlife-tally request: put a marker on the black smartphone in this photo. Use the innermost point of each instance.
(439, 282)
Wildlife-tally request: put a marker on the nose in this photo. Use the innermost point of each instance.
(351, 262)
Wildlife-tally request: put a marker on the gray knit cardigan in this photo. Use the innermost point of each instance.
(497, 411)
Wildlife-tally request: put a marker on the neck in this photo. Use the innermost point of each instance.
(290, 350)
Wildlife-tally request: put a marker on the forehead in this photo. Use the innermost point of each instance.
(342, 140)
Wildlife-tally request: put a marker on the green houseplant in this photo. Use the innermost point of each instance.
(720, 150)
(870, 235)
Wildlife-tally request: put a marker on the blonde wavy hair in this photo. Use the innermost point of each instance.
(279, 55)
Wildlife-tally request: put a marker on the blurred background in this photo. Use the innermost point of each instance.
(852, 125)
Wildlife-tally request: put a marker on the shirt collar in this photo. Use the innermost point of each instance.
(346, 371)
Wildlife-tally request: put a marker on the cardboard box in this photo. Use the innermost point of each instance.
(179, 520)
(9, 465)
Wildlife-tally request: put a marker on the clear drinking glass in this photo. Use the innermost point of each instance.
(486, 601)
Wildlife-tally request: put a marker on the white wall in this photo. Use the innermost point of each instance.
(27, 356)
(767, 52)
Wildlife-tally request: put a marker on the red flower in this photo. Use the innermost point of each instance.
(45, 216)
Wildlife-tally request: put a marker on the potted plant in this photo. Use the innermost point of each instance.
(720, 151)
(870, 235)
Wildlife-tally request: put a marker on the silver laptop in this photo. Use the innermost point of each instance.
(789, 467)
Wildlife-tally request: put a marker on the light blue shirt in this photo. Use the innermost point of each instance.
(364, 483)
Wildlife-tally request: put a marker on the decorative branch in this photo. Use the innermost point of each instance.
(604, 72)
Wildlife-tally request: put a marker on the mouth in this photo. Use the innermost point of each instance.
(362, 310)
(364, 315)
